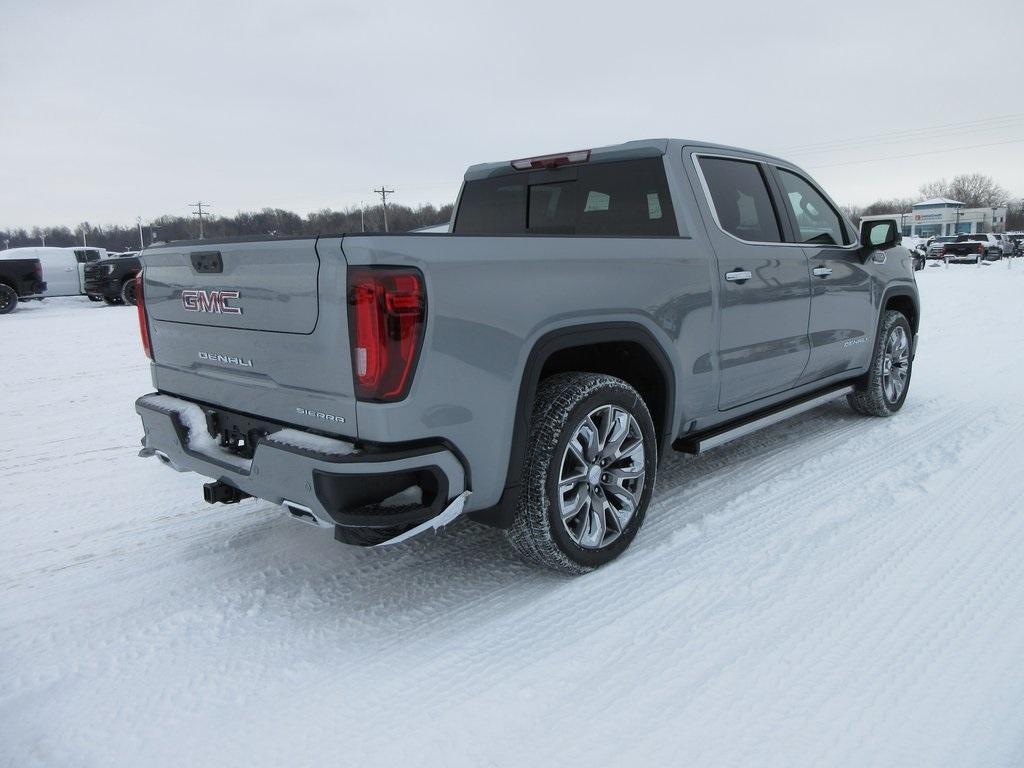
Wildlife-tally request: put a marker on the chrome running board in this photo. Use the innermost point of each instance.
(703, 441)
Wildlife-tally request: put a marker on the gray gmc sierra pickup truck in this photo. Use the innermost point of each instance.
(588, 312)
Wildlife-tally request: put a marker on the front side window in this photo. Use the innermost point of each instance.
(742, 203)
(817, 222)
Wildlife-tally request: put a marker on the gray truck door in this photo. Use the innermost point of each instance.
(764, 284)
(841, 326)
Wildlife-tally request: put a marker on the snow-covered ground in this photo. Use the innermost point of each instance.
(835, 591)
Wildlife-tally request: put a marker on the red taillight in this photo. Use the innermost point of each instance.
(140, 305)
(551, 161)
(39, 270)
(386, 314)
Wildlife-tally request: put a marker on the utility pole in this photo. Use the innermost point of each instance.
(200, 213)
(384, 201)
(43, 238)
(362, 217)
(138, 220)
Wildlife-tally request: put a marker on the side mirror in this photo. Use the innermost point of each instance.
(879, 234)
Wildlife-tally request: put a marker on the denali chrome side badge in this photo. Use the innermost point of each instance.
(215, 302)
(244, 362)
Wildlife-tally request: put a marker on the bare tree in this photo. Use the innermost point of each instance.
(975, 190)
(938, 188)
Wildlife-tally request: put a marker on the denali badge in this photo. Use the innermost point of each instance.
(319, 415)
(244, 362)
(210, 301)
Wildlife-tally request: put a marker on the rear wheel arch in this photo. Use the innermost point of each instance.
(587, 348)
(902, 300)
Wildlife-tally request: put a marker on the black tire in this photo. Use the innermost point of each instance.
(128, 292)
(562, 405)
(111, 301)
(94, 297)
(8, 299)
(873, 398)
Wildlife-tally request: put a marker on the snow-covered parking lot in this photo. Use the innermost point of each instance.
(833, 591)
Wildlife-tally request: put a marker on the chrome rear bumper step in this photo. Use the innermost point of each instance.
(703, 441)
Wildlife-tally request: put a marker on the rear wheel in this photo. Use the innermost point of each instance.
(590, 469)
(8, 299)
(888, 379)
(128, 292)
(111, 301)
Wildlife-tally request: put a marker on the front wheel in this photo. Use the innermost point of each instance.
(590, 468)
(8, 299)
(888, 379)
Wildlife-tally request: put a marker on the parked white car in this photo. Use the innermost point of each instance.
(63, 268)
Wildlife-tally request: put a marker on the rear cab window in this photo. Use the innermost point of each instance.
(742, 204)
(624, 198)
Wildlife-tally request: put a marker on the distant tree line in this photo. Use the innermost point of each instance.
(269, 221)
(975, 190)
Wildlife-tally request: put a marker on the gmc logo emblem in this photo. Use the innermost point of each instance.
(210, 301)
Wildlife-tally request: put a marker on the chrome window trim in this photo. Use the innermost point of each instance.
(696, 156)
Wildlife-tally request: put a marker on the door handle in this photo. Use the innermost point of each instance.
(821, 271)
(738, 276)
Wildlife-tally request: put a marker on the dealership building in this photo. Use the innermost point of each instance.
(942, 216)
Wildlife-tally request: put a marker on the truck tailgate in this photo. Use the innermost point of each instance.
(260, 327)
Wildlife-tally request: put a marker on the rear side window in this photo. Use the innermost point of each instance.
(492, 206)
(742, 203)
(817, 222)
(629, 198)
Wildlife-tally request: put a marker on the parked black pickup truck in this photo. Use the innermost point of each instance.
(112, 280)
(973, 248)
(19, 279)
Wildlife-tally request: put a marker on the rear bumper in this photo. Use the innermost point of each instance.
(32, 290)
(102, 286)
(336, 482)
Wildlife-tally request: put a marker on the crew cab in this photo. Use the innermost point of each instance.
(20, 279)
(588, 312)
(112, 280)
(973, 248)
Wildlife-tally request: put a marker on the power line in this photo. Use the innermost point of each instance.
(384, 202)
(920, 138)
(918, 154)
(200, 213)
(909, 133)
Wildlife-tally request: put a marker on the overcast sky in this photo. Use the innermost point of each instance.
(112, 110)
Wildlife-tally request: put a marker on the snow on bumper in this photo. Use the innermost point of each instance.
(337, 483)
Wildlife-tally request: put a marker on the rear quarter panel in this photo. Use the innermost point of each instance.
(489, 299)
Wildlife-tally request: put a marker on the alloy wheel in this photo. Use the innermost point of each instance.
(601, 477)
(895, 364)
